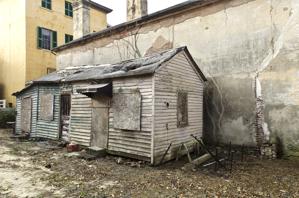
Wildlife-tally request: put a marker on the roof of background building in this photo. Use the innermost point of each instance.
(133, 67)
(151, 17)
(97, 6)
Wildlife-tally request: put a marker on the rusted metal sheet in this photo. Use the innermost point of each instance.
(26, 114)
(127, 110)
(47, 107)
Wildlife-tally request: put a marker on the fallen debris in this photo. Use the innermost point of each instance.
(23, 174)
(72, 148)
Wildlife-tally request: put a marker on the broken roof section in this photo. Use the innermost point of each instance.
(133, 67)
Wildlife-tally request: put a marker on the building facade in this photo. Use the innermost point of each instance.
(248, 49)
(29, 30)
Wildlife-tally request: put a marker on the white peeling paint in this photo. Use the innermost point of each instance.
(258, 88)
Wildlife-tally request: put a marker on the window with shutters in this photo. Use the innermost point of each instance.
(182, 109)
(68, 9)
(68, 38)
(46, 39)
(47, 4)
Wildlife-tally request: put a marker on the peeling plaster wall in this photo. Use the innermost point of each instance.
(236, 43)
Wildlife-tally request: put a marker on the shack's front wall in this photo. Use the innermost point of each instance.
(134, 143)
(176, 75)
(80, 124)
(33, 94)
(49, 128)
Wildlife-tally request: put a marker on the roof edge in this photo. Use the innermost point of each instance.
(97, 6)
(190, 57)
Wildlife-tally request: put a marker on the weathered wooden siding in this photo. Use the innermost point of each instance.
(176, 75)
(49, 129)
(134, 142)
(33, 93)
(80, 124)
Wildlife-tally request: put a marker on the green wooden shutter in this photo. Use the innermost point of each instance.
(66, 8)
(54, 39)
(43, 4)
(39, 37)
(71, 9)
(50, 4)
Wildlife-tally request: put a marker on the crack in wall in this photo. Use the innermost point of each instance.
(262, 130)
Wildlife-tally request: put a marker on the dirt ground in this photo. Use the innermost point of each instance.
(39, 169)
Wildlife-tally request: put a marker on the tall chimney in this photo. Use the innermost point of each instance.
(136, 9)
(81, 18)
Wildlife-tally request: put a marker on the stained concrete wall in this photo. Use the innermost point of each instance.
(246, 48)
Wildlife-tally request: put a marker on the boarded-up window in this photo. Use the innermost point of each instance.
(182, 109)
(46, 111)
(26, 114)
(127, 110)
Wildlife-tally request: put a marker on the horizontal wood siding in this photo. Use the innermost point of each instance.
(49, 129)
(176, 75)
(80, 124)
(33, 93)
(134, 142)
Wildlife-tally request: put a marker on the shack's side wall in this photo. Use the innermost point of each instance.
(80, 124)
(177, 74)
(133, 143)
(49, 129)
(33, 93)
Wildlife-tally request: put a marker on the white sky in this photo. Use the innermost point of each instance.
(119, 14)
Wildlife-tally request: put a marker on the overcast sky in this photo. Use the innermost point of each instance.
(119, 8)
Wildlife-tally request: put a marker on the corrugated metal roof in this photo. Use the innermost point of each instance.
(133, 67)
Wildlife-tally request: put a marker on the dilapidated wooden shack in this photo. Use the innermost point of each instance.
(134, 108)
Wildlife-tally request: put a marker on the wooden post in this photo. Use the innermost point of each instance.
(208, 151)
(162, 159)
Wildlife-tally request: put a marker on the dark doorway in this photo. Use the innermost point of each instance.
(65, 110)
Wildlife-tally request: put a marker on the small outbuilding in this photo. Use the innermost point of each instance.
(134, 108)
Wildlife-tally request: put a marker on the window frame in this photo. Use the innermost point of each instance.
(41, 40)
(68, 38)
(47, 4)
(181, 121)
(68, 9)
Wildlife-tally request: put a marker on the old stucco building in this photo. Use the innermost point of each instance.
(248, 49)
